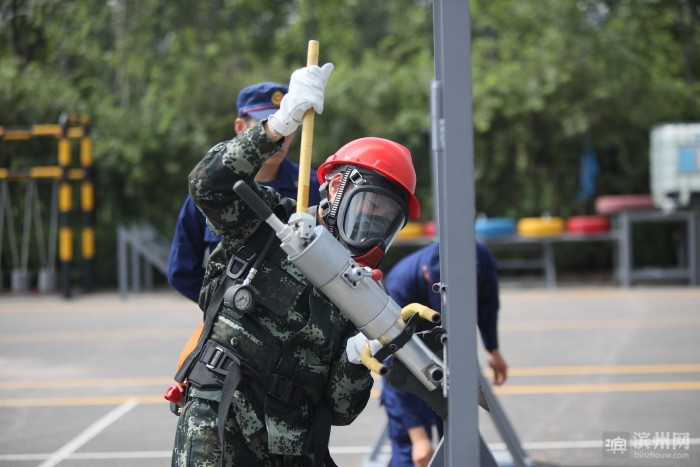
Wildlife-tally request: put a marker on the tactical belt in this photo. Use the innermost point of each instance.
(220, 360)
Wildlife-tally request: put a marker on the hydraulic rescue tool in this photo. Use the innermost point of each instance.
(354, 290)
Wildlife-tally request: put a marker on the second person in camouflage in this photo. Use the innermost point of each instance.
(289, 353)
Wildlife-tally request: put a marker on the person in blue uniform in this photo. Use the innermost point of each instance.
(193, 241)
(410, 281)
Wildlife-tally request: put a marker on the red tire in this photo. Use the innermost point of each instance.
(616, 203)
(587, 224)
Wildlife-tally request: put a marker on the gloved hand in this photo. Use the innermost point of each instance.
(306, 88)
(355, 345)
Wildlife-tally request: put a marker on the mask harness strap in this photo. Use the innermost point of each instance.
(330, 213)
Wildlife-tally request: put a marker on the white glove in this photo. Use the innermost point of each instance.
(355, 345)
(306, 88)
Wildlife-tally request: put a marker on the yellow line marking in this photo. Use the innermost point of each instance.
(171, 333)
(597, 387)
(96, 335)
(597, 294)
(598, 324)
(502, 391)
(80, 401)
(165, 381)
(40, 306)
(87, 383)
(600, 370)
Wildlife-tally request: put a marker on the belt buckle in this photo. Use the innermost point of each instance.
(239, 261)
(284, 389)
(217, 361)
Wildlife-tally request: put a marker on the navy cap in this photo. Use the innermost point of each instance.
(260, 100)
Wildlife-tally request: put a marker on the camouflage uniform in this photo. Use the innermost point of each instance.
(293, 330)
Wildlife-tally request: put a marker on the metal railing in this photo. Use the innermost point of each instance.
(140, 250)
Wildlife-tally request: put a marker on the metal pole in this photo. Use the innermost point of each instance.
(452, 33)
(134, 238)
(122, 262)
(65, 204)
(87, 202)
(505, 429)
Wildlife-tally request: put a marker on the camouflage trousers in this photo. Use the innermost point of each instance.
(197, 442)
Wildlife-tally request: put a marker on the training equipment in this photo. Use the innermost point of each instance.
(587, 224)
(494, 226)
(540, 226)
(612, 204)
(306, 143)
(411, 231)
(329, 267)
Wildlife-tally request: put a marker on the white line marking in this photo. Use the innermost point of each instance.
(90, 432)
(335, 450)
(92, 456)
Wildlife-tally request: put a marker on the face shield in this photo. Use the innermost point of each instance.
(366, 215)
(370, 216)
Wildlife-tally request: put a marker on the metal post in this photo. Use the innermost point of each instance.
(487, 459)
(550, 271)
(122, 262)
(87, 202)
(454, 140)
(696, 236)
(65, 204)
(625, 249)
(505, 429)
(134, 236)
(47, 276)
(6, 213)
(691, 246)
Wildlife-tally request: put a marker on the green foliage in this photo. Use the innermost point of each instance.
(159, 81)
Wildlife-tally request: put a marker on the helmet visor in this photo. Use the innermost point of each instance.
(372, 216)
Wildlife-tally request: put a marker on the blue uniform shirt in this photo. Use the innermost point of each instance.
(410, 281)
(193, 241)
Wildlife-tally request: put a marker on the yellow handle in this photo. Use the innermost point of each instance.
(372, 363)
(423, 311)
(307, 138)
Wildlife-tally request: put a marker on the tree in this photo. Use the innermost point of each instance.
(159, 80)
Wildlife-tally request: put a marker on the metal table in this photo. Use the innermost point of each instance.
(688, 247)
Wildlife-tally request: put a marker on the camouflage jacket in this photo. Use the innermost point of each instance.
(294, 330)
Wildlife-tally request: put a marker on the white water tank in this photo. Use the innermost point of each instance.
(675, 165)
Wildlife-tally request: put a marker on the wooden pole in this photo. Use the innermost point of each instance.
(307, 137)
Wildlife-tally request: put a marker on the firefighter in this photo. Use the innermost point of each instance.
(193, 241)
(411, 281)
(271, 372)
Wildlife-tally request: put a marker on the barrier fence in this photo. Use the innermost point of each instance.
(60, 206)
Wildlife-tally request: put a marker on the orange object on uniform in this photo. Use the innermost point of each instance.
(190, 344)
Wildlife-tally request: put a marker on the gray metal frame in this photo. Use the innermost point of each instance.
(140, 249)
(453, 167)
(546, 261)
(505, 429)
(688, 269)
(453, 152)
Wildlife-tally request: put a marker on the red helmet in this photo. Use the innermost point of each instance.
(383, 156)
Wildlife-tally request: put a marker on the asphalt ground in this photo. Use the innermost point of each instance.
(81, 380)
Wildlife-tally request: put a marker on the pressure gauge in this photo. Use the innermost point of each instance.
(239, 297)
(243, 299)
